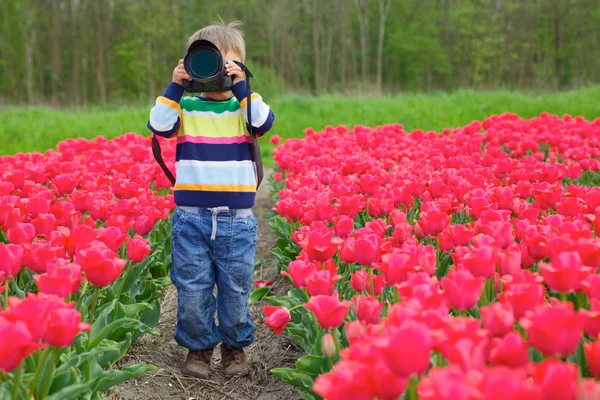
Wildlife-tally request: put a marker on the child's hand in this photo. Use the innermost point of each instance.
(179, 74)
(235, 71)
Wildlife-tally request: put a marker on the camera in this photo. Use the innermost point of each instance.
(205, 65)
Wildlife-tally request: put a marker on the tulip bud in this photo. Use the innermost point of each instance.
(328, 345)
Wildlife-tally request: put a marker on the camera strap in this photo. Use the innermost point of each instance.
(157, 152)
(255, 145)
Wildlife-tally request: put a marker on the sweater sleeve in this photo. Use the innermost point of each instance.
(262, 115)
(165, 115)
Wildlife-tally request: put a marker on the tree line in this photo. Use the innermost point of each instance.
(83, 52)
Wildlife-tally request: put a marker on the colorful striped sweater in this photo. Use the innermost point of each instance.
(214, 159)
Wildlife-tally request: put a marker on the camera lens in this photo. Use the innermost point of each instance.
(204, 63)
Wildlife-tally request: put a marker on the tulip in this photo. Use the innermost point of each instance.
(61, 280)
(101, 266)
(321, 245)
(554, 330)
(16, 345)
(523, 297)
(329, 310)
(366, 249)
(511, 351)
(498, 319)
(396, 268)
(449, 384)
(11, 256)
(509, 260)
(277, 318)
(367, 309)
(348, 380)
(564, 273)
(37, 205)
(406, 351)
(62, 327)
(368, 185)
(462, 289)
(263, 283)
(112, 238)
(64, 184)
(343, 225)
(300, 271)
(138, 249)
(321, 282)
(143, 225)
(589, 389)
(433, 222)
(481, 261)
(21, 233)
(557, 379)
(328, 345)
(387, 385)
(33, 311)
(502, 383)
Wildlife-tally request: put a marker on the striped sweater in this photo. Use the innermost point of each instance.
(214, 160)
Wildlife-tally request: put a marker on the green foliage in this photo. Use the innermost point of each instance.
(38, 129)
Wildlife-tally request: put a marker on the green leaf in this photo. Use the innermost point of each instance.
(298, 294)
(71, 392)
(106, 314)
(124, 324)
(293, 377)
(310, 364)
(114, 377)
(114, 351)
(134, 310)
(137, 271)
(258, 294)
(307, 396)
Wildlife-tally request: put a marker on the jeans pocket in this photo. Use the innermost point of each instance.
(243, 251)
(251, 227)
(186, 249)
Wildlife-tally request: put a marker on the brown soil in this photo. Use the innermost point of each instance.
(268, 351)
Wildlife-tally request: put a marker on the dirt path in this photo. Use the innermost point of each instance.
(268, 351)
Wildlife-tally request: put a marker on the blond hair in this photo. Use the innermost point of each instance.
(225, 36)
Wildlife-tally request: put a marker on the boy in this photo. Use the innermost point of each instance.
(214, 230)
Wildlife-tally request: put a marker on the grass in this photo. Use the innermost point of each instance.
(38, 129)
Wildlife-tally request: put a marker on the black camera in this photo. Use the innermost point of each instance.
(205, 65)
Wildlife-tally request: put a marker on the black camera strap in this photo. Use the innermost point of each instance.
(255, 145)
(157, 152)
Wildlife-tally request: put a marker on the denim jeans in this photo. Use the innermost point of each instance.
(199, 262)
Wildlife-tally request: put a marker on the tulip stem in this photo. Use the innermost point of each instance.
(80, 299)
(295, 307)
(6, 293)
(338, 345)
(93, 310)
(125, 276)
(371, 281)
(40, 368)
(17, 381)
(396, 294)
(49, 379)
(412, 389)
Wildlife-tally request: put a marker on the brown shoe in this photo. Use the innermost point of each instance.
(198, 363)
(233, 360)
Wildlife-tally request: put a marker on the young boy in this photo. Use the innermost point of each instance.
(214, 230)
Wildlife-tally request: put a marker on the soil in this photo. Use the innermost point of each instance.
(268, 351)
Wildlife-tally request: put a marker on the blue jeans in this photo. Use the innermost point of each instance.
(203, 257)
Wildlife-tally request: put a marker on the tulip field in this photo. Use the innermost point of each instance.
(455, 265)
(84, 254)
